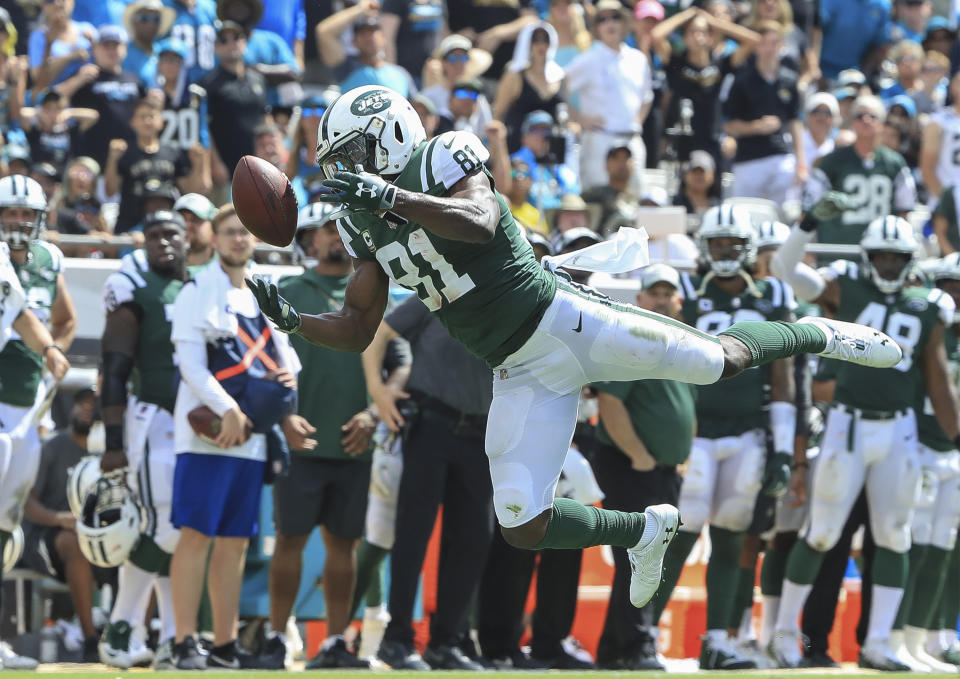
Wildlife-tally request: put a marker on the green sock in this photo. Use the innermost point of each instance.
(770, 340)
(575, 526)
(773, 571)
(928, 588)
(950, 600)
(722, 576)
(803, 564)
(369, 558)
(673, 561)
(743, 599)
(916, 559)
(890, 568)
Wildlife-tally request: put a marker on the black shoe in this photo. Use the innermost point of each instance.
(516, 660)
(400, 656)
(188, 656)
(644, 659)
(565, 661)
(273, 654)
(91, 652)
(470, 651)
(818, 659)
(337, 655)
(230, 656)
(443, 657)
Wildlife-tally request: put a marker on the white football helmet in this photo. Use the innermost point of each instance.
(19, 191)
(888, 234)
(771, 234)
(948, 268)
(82, 478)
(370, 126)
(13, 550)
(728, 221)
(108, 527)
(310, 217)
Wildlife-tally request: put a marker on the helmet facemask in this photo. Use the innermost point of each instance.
(728, 267)
(887, 284)
(357, 149)
(19, 234)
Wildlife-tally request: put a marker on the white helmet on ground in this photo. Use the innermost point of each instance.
(82, 478)
(370, 126)
(109, 524)
(17, 190)
(13, 549)
(728, 221)
(888, 234)
(771, 234)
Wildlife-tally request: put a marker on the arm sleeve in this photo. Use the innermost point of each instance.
(192, 361)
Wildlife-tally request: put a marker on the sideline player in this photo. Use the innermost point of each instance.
(451, 238)
(136, 342)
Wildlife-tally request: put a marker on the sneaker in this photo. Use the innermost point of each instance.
(444, 657)
(114, 646)
(914, 639)
(163, 658)
(646, 557)
(951, 654)
(722, 655)
(9, 660)
(818, 659)
(400, 656)
(899, 648)
(375, 619)
(273, 655)
(857, 343)
(230, 656)
(516, 660)
(784, 648)
(876, 654)
(140, 654)
(336, 654)
(750, 648)
(645, 659)
(187, 655)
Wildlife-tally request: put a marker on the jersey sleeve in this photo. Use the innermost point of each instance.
(451, 157)
(117, 291)
(945, 306)
(354, 230)
(55, 255)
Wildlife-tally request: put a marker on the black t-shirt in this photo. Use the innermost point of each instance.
(235, 107)
(752, 96)
(137, 168)
(113, 96)
(701, 85)
(421, 29)
(483, 14)
(53, 147)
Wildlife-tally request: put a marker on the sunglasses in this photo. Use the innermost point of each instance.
(604, 18)
(457, 58)
(466, 94)
(224, 38)
(866, 115)
(311, 112)
(147, 18)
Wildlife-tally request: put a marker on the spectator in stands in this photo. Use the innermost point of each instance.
(698, 176)
(613, 88)
(130, 167)
(458, 60)
(371, 68)
(463, 109)
(618, 190)
(517, 193)
(566, 17)
(796, 45)
(197, 212)
(288, 20)
(417, 26)
(553, 175)
(908, 58)
(820, 126)
(236, 100)
(854, 35)
(81, 217)
(902, 113)
(194, 25)
(940, 36)
(108, 89)
(938, 154)
(429, 116)
(59, 46)
(933, 75)
(50, 537)
(532, 80)
(269, 144)
(267, 53)
(53, 131)
(14, 70)
(763, 108)
(491, 26)
(911, 20)
(216, 491)
(80, 179)
(146, 22)
(302, 162)
(18, 158)
(48, 177)
(184, 104)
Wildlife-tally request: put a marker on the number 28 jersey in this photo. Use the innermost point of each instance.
(908, 316)
(490, 296)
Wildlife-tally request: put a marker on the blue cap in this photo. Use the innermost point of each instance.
(174, 46)
(842, 93)
(111, 33)
(904, 101)
(938, 23)
(536, 118)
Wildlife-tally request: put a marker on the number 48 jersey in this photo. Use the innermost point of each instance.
(908, 317)
(490, 296)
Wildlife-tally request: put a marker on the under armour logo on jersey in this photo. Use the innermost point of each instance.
(363, 190)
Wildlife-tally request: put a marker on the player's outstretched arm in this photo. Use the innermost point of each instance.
(943, 396)
(352, 328)
(39, 340)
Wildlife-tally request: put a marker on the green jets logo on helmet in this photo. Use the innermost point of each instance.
(370, 103)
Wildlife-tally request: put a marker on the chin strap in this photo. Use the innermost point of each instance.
(751, 286)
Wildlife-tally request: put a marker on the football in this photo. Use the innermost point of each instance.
(206, 424)
(264, 200)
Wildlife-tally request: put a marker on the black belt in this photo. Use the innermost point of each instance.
(463, 423)
(867, 414)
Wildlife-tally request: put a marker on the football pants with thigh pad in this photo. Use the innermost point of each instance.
(893, 480)
(699, 483)
(739, 475)
(21, 472)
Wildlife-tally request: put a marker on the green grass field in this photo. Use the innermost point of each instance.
(90, 672)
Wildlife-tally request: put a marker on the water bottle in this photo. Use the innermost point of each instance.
(49, 643)
(686, 116)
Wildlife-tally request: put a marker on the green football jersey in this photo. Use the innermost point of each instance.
(930, 433)
(489, 296)
(877, 187)
(20, 368)
(150, 296)
(908, 316)
(734, 406)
